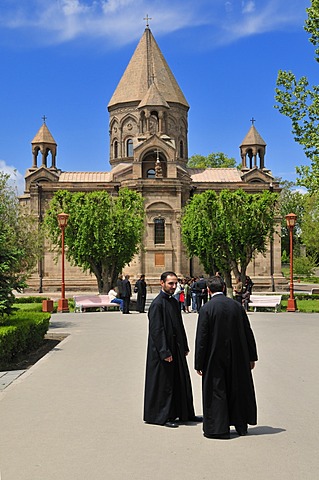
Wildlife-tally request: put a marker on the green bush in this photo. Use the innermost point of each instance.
(304, 266)
(284, 257)
(30, 299)
(21, 333)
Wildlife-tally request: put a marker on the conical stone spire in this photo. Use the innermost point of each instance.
(43, 136)
(253, 138)
(146, 65)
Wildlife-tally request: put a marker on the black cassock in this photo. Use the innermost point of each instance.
(141, 295)
(168, 390)
(225, 346)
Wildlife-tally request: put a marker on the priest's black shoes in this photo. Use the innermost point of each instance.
(170, 424)
(241, 430)
(196, 419)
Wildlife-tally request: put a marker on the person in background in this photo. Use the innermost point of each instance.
(126, 294)
(181, 298)
(238, 290)
(119, 286)
(225, 354)
(247, 291)
(178, 290)
(140, 289)
(193, 293)
(201, 292)
(187, 295)
(113, 298)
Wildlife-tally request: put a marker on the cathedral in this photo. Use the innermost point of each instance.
(148, 128)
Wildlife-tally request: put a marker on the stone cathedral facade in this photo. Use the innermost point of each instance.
(148, 128)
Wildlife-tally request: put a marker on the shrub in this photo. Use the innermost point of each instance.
(30, 299)
(21, 333)
(304, 266)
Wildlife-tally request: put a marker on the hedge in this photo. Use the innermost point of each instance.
(30, 299)
(21, 333)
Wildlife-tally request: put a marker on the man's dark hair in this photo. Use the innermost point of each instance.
(215, 284)
(165, 275)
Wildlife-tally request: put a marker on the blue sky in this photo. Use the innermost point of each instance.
(64, 59)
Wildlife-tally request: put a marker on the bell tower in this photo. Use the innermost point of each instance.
(44, 143)
(252, 150)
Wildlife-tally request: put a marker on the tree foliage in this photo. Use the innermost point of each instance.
(19, 245)
(300, 102)
(291, 201)
(213, 160)
(225, 231)
(310, 226)
(103, 232)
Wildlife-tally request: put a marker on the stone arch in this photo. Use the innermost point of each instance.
(115, 148)
(129, 147)
(171, 125)
(151, 159)
(154, 122)
(159, 217)
(250, 154)
(114, 124)
(45, 150)
(129, 125)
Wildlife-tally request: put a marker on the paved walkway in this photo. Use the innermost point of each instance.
(77, 413)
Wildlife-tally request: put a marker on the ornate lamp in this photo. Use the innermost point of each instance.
(63, 305)
(291, 222)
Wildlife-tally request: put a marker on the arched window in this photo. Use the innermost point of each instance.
(129, 148)
(181, 149)
(159, 231)
(115, 149)
(151, 173)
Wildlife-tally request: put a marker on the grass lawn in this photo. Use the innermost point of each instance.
(306, 306)
(28, 307)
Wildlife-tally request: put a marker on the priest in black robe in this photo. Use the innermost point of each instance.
(168, 392)
(225, 354)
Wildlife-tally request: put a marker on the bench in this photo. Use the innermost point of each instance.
(82, 302)
(314, 291)
(268, 301)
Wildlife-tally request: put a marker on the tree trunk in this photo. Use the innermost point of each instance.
(228, 281)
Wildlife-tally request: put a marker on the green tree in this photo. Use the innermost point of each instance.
(213, 160)
(310, 225)
(103, 232)
(300, 102)
(291, 201)
(225, 231)
(19, 245)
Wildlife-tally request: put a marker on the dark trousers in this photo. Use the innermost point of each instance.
(200, 300)
(126, 304)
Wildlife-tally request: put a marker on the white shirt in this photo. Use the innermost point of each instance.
(112, 294)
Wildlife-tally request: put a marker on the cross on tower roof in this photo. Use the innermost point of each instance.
(44, 118)
(252, 120)
(147, 18)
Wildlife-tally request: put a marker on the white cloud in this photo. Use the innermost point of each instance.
(248, 7)
(16, 178)
(301, 190)
(119, 21)
(266, 16)
(73, 7)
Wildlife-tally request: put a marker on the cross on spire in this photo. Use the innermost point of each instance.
(44, 118)
(147, 18)
(252, 120)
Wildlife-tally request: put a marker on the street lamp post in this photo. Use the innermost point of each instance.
(63, 305)
(291, 222)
